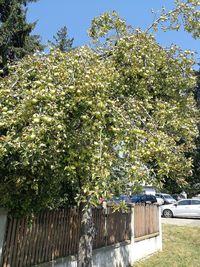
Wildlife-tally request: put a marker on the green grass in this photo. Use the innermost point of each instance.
(181, 248)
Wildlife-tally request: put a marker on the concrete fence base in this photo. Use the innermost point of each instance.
(118, 255)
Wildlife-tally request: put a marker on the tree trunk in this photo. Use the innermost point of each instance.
(86, 237)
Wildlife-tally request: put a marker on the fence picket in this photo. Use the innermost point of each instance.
(146, 220)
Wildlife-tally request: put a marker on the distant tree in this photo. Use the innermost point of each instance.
(15, 38)
(62, 40)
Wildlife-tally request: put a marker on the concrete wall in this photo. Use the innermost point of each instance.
(119, 255)
(3, 219)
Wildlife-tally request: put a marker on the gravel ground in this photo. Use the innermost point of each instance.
(182, 221)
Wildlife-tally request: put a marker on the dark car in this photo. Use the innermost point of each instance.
(121, 198)
(144, 198)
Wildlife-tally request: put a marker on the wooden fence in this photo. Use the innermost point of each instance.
(146, 221)
(55, 234)
(118, 226)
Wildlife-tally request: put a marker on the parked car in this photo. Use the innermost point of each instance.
(144, 198)
(168, 199)
(189, 208)
(160, 200)
(178, 197)
(121, 198)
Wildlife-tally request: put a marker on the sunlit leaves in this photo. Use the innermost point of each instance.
(68, 120)
(186, 14)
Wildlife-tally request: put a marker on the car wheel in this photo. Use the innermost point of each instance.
(167, 214)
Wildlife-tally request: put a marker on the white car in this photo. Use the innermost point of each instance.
(183, 208)
(168, 199)
(160, 201)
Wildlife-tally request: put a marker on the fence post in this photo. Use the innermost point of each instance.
(105, 207)
(160, 228)
(132, 224)
(3, 221)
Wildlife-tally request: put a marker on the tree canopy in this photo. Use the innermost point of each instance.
(67, 118)
(185, 14)
(193, 181)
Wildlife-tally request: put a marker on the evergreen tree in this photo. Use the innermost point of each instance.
(62, 41)
(15, 38)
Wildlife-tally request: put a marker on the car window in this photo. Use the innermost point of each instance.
(135, 198)
(184, 202)
(152, 197)
(195, 202)
(168, 196)
(157, 195)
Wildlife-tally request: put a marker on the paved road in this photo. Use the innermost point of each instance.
(181, 221)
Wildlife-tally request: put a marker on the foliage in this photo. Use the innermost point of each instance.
(15, 38)
(186, 13)
(62, 41)
(67, 117)
(193, 181)
(108, 22)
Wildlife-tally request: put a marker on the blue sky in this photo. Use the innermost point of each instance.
(77, 15)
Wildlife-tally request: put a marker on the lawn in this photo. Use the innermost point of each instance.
(181, 248)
